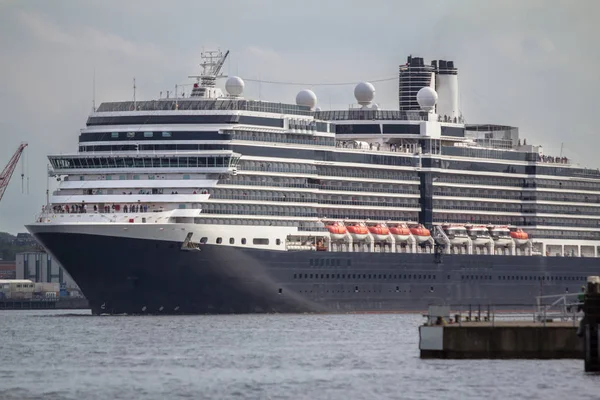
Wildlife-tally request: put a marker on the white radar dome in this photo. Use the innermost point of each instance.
(427, 98)
(364, 93)
(234, 86)
(306, 98)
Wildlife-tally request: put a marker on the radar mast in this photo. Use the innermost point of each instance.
(212, 64)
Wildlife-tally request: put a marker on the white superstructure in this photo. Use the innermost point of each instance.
(230, 170)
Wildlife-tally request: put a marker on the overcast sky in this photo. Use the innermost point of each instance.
(529, 63)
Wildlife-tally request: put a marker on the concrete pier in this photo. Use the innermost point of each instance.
(501, 340)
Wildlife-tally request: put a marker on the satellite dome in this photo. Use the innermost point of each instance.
(234, 86)
(427, 98)
(306, 98)
(318, 109)
(364, 93)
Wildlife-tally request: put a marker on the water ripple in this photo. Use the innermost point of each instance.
(67, 355)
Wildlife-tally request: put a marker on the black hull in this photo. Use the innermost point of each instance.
(138, 276)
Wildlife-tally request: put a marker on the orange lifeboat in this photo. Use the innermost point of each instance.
(337, 230)
(519, 236)
(358, 231)
(379, 231)
(401, 232)
(421, 233)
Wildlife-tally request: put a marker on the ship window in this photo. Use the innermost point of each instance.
(130, 134)
(364, 276)
(277, 242)
(260, 241)
(243, 240)
(166, 134)
(114, 134)
(204, 240)
(295, 276)
(356, 289)
(122, 177)
(311, 275)
(369, 276)
(322, 276)
(231, 240)
(327, 276)
(81, 177)
(148, 134)
(219, 240)
(311, 262)
(327, 262)
(136, 177)
(186, 177)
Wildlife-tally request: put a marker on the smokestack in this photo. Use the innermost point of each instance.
(447, 89)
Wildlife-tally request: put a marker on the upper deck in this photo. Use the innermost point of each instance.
(219, 104)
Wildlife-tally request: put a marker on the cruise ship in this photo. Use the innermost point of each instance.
(211, 202)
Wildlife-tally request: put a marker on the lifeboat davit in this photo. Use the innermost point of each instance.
(479, 234)
(337, 230)
(401, 233)
(457, 234)
(519, 236)
(420, 233)
(358, 231)
(379, 231)
(500, 235)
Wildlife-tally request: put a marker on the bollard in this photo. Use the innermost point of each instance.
(591, 325)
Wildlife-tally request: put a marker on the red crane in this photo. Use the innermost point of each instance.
(10, 168)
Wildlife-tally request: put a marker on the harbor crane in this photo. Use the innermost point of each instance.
(10, 168)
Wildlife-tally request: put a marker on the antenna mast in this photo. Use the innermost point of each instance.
(134, 101)
(561, 148)
(94, 91)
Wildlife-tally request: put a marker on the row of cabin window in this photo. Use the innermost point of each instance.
(328, 262)
(541, 278)
(256, 241)
(364, 276)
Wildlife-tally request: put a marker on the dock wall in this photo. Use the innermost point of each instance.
(483, 341)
